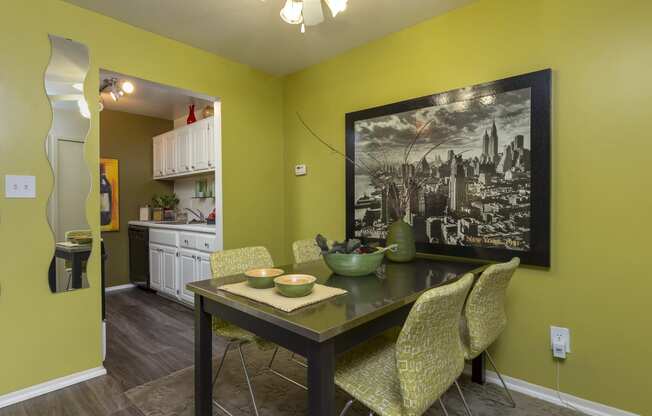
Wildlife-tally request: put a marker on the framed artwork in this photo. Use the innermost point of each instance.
(109, 195)
(468, 169)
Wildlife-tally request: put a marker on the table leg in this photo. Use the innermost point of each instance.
(203, 360)
(76, 272)
(321, 379)
(478, 373)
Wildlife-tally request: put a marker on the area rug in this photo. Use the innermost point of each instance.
(172, 395)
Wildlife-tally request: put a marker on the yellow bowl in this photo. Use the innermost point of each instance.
(262, 278)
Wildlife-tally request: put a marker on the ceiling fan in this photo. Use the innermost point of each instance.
(309, 12)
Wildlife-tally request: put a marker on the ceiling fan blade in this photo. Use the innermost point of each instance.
(312, 12)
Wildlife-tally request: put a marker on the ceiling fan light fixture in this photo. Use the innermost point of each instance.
(337, 6)
(292, 12)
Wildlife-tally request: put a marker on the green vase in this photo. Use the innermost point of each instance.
(401, 234)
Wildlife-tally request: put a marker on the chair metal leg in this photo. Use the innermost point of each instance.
(246, 373)
(441, 403)
(283, 376)
(466, 405)
(347, 407)
(509, 394)
(217, 373)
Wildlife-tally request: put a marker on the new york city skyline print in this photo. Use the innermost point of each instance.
(456, 166)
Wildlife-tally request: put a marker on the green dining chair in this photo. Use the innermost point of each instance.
(406, 376)
(305, 251)
(484, 317)
(228, 263)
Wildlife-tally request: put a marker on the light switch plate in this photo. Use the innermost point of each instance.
(300, 170)
(20, 186)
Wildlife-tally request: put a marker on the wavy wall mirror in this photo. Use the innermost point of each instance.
(64, 85)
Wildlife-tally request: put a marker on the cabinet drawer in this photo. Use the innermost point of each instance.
(207, 243)
(187, 240)
(169, 238)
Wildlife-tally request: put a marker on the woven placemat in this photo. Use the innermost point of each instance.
(274, 299)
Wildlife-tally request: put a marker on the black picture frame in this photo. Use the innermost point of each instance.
(540, 83)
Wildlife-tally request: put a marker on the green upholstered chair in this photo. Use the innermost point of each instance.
(484, 317)
(406, 376)
(305, 251)
(228, 263)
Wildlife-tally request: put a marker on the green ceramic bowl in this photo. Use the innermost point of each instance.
(354, 264)
(262, 278)
(295, 285)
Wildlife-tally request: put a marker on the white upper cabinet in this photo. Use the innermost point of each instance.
(159, 156)
(200, 149)
(187, 150)
(183, 148)
(170, 153)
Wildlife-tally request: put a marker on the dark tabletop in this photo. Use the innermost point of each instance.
(368, 297)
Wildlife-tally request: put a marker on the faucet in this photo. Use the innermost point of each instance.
(198, 214)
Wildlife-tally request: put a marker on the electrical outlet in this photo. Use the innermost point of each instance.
(560, 341)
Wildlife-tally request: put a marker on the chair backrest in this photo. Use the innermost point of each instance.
(305, 251)
(239, 260)
(429, 355)
(484, 313)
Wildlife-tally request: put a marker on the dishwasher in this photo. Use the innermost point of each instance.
(139, 256)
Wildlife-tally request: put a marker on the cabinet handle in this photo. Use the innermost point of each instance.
(206, 245)
(192, 167)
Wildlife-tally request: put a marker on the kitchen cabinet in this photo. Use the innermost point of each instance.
(178, 258)
(159, 156)
(170, 141)
(155, 274)
(163, 268)
(185, 151)
(169, 270)
(194, 266)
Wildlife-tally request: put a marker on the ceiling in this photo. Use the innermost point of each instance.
(152, 99)
(251, 31)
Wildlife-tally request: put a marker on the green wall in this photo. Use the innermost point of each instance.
(45, 336)
(128, 138)
(599, 284)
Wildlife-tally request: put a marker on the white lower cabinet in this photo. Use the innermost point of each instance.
(155, 265)
(193, 266)
(173, 267)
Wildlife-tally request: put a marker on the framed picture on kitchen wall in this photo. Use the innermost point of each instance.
(109, 195)
(468, 170)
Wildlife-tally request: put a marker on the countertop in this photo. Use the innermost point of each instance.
(199, 228)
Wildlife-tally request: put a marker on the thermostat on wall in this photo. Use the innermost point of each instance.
(300, 170)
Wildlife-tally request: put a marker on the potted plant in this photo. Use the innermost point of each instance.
(165, 207)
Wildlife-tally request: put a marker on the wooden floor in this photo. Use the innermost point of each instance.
(148, 337)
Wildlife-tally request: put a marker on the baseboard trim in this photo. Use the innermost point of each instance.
(50, 386)
(121, 287)
(549, 395)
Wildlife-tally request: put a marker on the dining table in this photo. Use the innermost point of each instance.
(320, 332)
